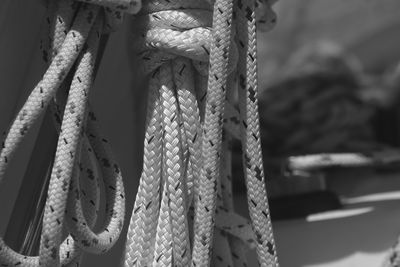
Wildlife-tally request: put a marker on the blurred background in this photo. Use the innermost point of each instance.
(366, 29)
(330, 80)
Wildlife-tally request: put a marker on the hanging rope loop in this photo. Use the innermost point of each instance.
(73, 36)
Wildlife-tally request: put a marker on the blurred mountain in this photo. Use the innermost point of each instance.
(369, 29)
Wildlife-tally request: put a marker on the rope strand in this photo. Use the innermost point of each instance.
(185, 135)
(66, 45)
(251, 144)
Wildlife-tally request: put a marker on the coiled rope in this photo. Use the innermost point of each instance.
(190, 50)
(82, 152)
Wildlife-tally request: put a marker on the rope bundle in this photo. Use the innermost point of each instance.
(82, 154)
(185, 186)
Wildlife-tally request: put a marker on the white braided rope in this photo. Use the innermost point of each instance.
(69, 251)
(212, 132)
(66, 45)
(68, 144)
(251, 146)
(12, 143)
(90, 191)
(165, 32)
(190, 116)
(172, 159)
(143, 223)
(173, 169)
(93, 141)
(163, 251)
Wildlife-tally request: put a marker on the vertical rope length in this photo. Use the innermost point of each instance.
(251, 141)
(212, 133)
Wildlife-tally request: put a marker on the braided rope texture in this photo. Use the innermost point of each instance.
(82, 153)
(188, 50)
(251, 146)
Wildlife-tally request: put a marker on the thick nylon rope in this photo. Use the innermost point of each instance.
(161, 243)
(142, 227)
(251, 143)
(113, 184)
(68, 144)
(87, 166)
(69, 250)
(212, 132)
(174, 185)
(182, 196)
(190, 116)
(65, 48)
(40, 96)
(181, 175)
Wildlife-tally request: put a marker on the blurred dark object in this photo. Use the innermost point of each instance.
(384, 93)
(316, 107)
(302, 205)
(295, 184)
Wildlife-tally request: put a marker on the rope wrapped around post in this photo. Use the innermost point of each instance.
(74, 30)
(189, 50)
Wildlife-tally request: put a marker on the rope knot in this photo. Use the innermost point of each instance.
(169, 29)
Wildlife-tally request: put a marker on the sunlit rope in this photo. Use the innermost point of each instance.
(183, 143)
(251, 143)
(188, 50)
(78, 145)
